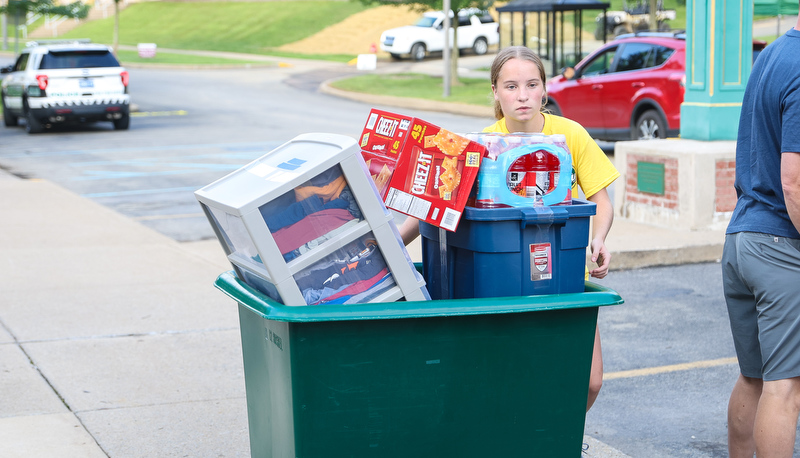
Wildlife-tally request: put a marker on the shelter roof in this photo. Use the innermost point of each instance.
(552, 5)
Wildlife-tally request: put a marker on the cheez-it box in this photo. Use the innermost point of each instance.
(419, 168)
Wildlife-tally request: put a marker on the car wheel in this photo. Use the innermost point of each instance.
(8, 118)
(122, 123)
(481, 46)
(418, 52)
(598, 32)
(650, 125)
(552, 108)
(32, 125)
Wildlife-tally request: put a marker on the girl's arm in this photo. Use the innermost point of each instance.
(409, 230)
(601, 224)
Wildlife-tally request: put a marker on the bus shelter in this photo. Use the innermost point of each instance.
(550, 18)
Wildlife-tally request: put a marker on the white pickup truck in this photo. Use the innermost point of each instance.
(477, 30)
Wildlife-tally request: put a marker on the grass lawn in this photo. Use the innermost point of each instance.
(161, 57)
(249, 27)
(473, 91)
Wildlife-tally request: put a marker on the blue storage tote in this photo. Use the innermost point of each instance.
(509, 252)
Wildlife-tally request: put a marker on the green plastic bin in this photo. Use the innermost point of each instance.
(500, 377)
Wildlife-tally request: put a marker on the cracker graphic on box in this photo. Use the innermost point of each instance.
(450, 143)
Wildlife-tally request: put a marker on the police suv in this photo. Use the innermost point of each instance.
(53, 83)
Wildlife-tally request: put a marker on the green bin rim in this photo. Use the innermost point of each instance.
(594, 295)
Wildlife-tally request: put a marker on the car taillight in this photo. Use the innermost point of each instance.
(679, 77)
(124, 77)
(42, 80)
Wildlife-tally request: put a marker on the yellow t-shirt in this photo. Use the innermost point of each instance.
(593, 170)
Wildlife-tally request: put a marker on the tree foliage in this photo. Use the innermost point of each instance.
(20, 8)
(424, 5)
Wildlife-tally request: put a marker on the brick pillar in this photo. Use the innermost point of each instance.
(687, 184)
(725, 199)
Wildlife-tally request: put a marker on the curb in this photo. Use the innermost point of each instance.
(638, 259)
(405, 102)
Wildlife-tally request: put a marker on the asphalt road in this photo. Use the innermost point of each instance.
(667, 350)
(669, 364)
(192, 128)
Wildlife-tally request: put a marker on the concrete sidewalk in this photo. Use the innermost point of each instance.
(114, 342)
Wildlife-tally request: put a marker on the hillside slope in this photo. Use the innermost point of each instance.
(357, 33)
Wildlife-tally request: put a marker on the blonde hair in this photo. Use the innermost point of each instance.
(515, 52)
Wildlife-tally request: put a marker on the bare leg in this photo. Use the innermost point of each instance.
(776, 419)
(596, 374)
(742, 408)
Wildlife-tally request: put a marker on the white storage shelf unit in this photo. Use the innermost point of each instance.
(304, 224)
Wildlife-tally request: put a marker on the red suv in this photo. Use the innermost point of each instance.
(631, 88)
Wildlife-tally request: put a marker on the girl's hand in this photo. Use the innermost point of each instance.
(601, 256)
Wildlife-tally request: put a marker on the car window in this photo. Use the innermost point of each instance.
(636, 56)
(600, 64)
(78, 59)
(662, 54)
(426, 21)
(22, 62)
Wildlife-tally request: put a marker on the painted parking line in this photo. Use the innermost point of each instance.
(229, 153)
(94, 175)
(95, 195)
(161, 217)
(142, 114)
(236, 147)
(670, 368)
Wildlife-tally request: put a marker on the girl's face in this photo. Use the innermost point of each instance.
(519, 90)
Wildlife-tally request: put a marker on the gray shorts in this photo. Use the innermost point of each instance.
(761, 280)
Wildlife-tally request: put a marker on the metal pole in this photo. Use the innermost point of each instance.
(445, 287)
(446, 51)
(511, 31)
(561, 59)
(539, 33)
(554, 57)
(579, 51)
(525, 28)
(4, 26)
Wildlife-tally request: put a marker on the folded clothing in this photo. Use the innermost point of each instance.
(309, 228)
(334, 274)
